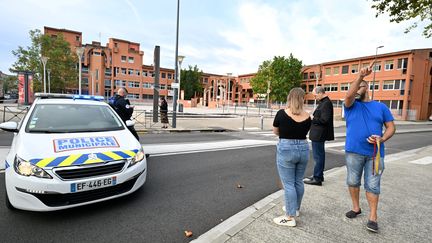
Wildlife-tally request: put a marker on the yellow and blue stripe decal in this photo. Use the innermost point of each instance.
(6, 165)
(80, 159)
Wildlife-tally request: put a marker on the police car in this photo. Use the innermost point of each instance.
(68, 151)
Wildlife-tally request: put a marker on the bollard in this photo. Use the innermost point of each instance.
(262, 122)
(235, 108)
(259, 110)
(223, 109)
(247, 108)
(243, 127)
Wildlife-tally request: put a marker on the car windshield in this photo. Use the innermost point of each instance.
(66, 118)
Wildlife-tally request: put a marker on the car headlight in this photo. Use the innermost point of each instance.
(139, 156)
(25, 168)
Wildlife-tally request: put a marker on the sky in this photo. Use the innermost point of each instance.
(219, 36)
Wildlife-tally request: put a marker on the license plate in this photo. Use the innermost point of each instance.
(92, 185)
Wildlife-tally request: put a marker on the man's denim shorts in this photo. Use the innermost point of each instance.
(357, 164)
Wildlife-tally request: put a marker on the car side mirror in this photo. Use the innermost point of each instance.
(130, 123)
(9, 126)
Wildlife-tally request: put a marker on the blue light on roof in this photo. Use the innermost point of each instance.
(88, 97)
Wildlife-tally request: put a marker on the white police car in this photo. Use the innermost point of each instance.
(70, 151)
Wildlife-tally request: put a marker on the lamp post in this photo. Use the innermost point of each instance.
(180, 60)
(49, 80)
(229, 88)
(79, 52)
(44, 62)
(317, 74)
(268, 93)
(93, 74)
(174, 118)
(374, 71)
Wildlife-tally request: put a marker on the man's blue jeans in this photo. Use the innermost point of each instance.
(291, 158)
(319, 158)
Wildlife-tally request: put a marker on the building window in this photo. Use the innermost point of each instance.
(96, 53)
(354, 68)
(115, 44)
(162, 86)
(345, 86)
(311, 75)
(393, 84)
(152, 74)
(328, 71)
(345, 69)
(107, 72)
(144, 73)
(77, 38)
(131, 60)
(388, 65)
(377, 67)
(305, 75)
(331, 87)
(311, 87)
(123, 71)
(365, 65)
(133, 84)
(137, 72)
(130, 71)
(133, 96)
(146, 85)
(146, 96)
(169, 76)
(403, 64)
(123, 58)
(97, 74)
(107, 83)
(205, 80)
(120, 83)
(371, 87)
(336, 71)
(163, 75)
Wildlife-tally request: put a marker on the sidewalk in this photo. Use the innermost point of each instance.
(404, 209)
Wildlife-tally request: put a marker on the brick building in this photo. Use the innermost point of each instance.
(402, 79)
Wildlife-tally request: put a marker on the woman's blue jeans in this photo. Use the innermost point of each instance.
(292, 157)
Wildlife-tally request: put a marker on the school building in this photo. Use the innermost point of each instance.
(402, 79)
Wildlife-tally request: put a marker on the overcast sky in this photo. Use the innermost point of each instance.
(219, 36)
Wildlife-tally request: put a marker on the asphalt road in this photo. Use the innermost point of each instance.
(183, 192)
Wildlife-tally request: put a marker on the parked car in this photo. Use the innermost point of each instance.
(69, 151)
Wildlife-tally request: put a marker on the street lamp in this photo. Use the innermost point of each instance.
(93, 74)
(268, 93)
(49, 80)
(180, 60)
(174, 118)
(79, 52)
(44, 62)
(317, 74)
(374, 71)
(229, 88)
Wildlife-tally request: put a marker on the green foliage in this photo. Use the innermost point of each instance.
(10, 83)
(190, 82)
(61, 62)
(405, 10)
(281, 73)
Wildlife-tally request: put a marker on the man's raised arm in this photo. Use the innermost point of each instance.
(355, 85)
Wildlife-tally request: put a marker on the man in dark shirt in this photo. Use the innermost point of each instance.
(321, 130)
(124, 109)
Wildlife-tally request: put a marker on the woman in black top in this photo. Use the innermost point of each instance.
(164, 112)
(291, 125)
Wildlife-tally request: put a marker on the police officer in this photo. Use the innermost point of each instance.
(124, 109)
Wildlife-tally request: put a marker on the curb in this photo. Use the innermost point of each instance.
(230, 227)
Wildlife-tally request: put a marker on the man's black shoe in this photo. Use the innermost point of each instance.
(310, 178)
(313, 182)
(372, 226)
(147, 155)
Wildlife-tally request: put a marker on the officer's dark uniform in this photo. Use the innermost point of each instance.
(124, 110)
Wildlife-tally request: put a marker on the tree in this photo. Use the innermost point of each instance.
(61, 62)
(190, 82)
(280, 75)
(10, 83)
(405, 10)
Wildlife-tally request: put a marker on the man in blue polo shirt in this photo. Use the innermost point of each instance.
(364, 146)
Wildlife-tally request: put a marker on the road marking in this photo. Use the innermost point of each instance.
(423, 161)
